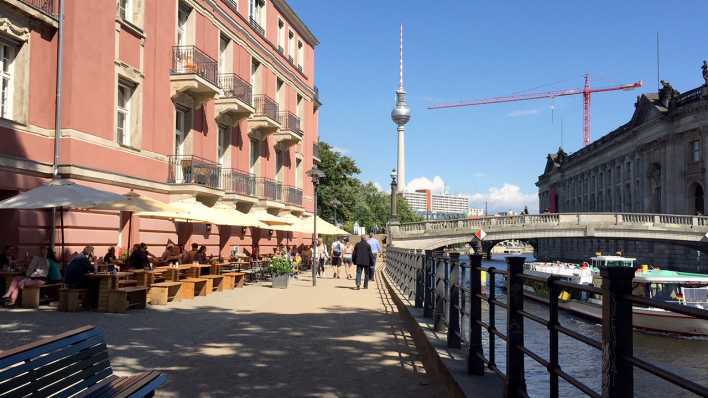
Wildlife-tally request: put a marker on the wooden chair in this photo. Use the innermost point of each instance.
(162, 293)
(32, 296)
(73, 300)
(72, 364)
(122, 299)
(192, 287)
(216, 282)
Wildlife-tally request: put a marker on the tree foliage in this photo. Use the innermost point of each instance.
(343, 199)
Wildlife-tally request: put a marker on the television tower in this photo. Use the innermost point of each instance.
(400, 115)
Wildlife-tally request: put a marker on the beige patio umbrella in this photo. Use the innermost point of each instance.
(184, 210)
(135, 203)
(323, 227)
(263, 216)
(62, 194)
(231, 216)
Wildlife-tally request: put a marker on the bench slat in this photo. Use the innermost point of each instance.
(74, 378)
(98, 377)
(36, 348)
(70, 365)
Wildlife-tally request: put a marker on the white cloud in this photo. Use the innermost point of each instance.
(437, 185)
(479, 174)
(342, 151)
(524, 112)
(504, 198)
(378, 186)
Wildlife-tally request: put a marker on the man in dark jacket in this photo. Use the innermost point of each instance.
(75, 273)
(363, 258)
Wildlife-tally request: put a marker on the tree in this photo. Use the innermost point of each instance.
(353, 201)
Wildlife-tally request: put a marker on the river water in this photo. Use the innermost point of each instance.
(687, 357)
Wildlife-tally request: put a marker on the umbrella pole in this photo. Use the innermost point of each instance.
(130, 230)
(61, 216)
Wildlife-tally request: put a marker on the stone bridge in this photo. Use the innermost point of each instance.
(690, 231)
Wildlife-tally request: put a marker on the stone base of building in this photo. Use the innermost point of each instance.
(663, 255)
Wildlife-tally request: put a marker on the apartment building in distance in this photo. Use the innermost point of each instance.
(206, 99)
(430, 205)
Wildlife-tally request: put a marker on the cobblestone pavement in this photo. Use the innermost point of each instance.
(330, 341)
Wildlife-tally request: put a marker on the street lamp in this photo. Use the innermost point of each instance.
(315, 174)
(394, 196)
(335, 204)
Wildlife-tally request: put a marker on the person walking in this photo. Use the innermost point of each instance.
(348, 251)
(337, 250)
(363, 257)
(321, 257)
(375, 249)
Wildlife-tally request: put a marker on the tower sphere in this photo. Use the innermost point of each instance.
(401, 114)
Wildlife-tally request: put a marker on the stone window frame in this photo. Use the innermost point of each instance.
(695, 148)
(131, 13)
(227, 132)
(17, 36)
(130, 77)
(190, 24)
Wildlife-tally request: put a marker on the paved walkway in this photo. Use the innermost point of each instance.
(331, 341)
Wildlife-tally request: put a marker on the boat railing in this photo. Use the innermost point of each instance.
(438, 282)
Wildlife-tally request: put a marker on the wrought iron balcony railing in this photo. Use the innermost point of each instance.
(191, 60)
(238, 182)
(269, 189)
(257, 26)
(292, 195)
(235, 87)
(290, 121)
(265, 106)
(45, 6)
(189, 169)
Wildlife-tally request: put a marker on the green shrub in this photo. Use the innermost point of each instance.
(280, 266)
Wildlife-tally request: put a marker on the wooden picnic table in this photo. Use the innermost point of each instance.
(198, 270)
(176, 272)
(104, 282)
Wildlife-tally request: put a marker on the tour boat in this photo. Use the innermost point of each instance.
(668, 286)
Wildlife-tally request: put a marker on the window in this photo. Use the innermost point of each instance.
(180, 131)
(291, 46)
(183, 24)
(281, 36)
(696, 150)
(257, 11)
(223, 54)
(279, 165)
(300, 57)
(255, 155)
(126, 10)
(7, 62)
(298, 173)
(298, 108)
(255, 77)
(279, 96)
(123, 117)
(223, 146)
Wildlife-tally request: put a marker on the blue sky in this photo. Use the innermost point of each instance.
(461, 49)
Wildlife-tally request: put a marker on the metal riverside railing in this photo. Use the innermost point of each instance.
(234, 86)
(191, 60)
(437, 283)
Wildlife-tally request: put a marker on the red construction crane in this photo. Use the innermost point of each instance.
(586, 91)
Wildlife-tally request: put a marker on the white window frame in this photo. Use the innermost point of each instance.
(696, 150)
(223, 53)
(280, 93)
(124, 133)
(223, 143)
(181, 116)
(280, 166)
(299, 108)
(8, 55)
(254, 157)
(291, 45)
(183, 24)
(281, 34)
(298, 173)
(300, 54)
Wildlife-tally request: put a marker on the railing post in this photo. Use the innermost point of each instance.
(453, 324)
(515, 381)
(475, 364)
(419, 281)
(553, 364)
(428, 281)
(617, 372)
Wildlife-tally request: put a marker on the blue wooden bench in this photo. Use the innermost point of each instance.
(72, 364)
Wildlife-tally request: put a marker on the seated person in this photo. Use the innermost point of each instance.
(8, 257)
(201, 256)
(139, 258)
(188, 256)
(110, 257)
(80, 265)
(54, 275)
(36, 275)
(171, 254)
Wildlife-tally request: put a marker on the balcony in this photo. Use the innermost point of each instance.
(292, 196)
(194, 73)
(234, 103)
(264, 121)
(269, 189)
(43, 10)
(257, 27)
(316, 152)
(237, 182)
(193, 170)
(290, 133)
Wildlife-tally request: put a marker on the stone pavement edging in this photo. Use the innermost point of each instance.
(448, 365)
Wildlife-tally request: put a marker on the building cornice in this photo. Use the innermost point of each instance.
(297, 23)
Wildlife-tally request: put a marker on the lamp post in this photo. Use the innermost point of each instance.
(315, 174)
(335, 204)
(394, 196)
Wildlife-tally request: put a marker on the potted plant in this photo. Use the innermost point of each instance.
(280, 269)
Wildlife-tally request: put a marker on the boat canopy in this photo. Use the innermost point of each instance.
(666, 276)
(612, 261)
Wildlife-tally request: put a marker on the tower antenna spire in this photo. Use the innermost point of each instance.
(400, 87)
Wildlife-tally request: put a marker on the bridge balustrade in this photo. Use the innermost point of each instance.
(438, 282)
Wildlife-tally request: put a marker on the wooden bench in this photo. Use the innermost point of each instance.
(192, 287)
(32, 295)
(233, 280)
(127, 282)
(162, 293)
(217, 282)
(72, 364)
(72, 300)
(124, 298)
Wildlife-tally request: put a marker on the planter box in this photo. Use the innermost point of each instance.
(281, 281)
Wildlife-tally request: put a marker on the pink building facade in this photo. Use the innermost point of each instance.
(174, 99)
